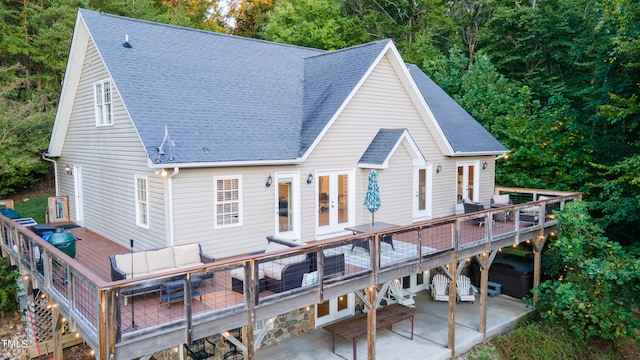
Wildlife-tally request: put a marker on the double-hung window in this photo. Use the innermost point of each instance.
(102, 96)
(142, 201)
(228, 201)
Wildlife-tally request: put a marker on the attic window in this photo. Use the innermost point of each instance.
(102, 96)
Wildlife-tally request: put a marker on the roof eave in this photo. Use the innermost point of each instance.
(71, 80)
(480, 153)
(217, 164)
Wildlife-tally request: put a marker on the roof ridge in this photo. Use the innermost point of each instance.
(332, 52)
(209, 32)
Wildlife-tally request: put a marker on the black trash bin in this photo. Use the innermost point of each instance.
(63, 241)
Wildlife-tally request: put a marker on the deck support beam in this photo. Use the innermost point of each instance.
(484, 287)
(58, 324)
(374, 248)
(251, 274)
(538, 244)
(452, 307)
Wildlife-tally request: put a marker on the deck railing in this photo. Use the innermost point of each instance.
(99, 310)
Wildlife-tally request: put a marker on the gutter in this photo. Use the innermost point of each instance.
(175, 172)
(55, 169)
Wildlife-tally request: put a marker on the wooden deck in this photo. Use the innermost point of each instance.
(93, 250)
(83, 290)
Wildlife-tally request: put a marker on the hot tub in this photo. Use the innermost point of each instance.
(515, 274)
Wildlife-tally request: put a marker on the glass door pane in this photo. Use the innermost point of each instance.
(323, 200)
(343, 198)
(422, 189)
(285, 215)
(470, 183)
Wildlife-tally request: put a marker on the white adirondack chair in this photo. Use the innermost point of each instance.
(396, 294)
(464, 289)
(439, 286)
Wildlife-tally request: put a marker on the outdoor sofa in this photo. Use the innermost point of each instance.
(157, 261)
(286, 273)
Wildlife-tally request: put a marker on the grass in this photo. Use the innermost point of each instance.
(35, 208)
(537, 340)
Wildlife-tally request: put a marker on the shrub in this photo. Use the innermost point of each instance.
(535, 340)
(8, 288)
(591, 293)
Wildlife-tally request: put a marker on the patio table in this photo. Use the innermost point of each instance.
(366, 228)
(356, 326)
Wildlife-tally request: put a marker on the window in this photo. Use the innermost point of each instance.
(142, 202)
(102, 90)
(228, 196)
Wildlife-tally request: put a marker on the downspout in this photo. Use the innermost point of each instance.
(175, 172)
(55, 170)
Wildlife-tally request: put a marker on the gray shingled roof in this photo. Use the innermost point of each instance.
(464, 133)
(226, 98)
(381, 146)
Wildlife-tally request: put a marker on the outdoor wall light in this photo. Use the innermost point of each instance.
(269, 181)
(310, 178)
(484, 166)
(68, 169)
(438, 169)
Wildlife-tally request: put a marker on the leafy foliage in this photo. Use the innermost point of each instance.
(618, 198)
(592, 292)
(312, 23)
(8, 288)
(24, 129)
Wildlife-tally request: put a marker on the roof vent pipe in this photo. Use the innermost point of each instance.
(126, 41)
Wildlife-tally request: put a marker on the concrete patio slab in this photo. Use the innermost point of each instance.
(430, 333)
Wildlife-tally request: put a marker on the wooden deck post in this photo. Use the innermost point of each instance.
(374, 249)
(251, 290)
(452, 306)
(58, 325)
(538, 244)
(484, 287)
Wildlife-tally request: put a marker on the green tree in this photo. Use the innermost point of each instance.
(592, 292)
(312, 23)
(24, 131)
(534, 42)
(617, 195)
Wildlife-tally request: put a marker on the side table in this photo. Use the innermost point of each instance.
(172, 291)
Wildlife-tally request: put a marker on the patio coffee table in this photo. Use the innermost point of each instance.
(379, 226)
(355, 327)
(172, 291)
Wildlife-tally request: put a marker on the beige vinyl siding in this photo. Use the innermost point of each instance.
(109, 156)
(396, 184)
(193, 210)
(383, 102)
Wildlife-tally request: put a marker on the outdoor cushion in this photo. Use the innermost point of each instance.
(530, 209)
(186, 255)
(273, 270)
(239, 273)
(501, 199)
(160, 260)
(140, 267)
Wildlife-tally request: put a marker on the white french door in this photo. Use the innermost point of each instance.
(336, 201)
(288, 205)
(334, 309)
(468, 178)
(422, 189)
